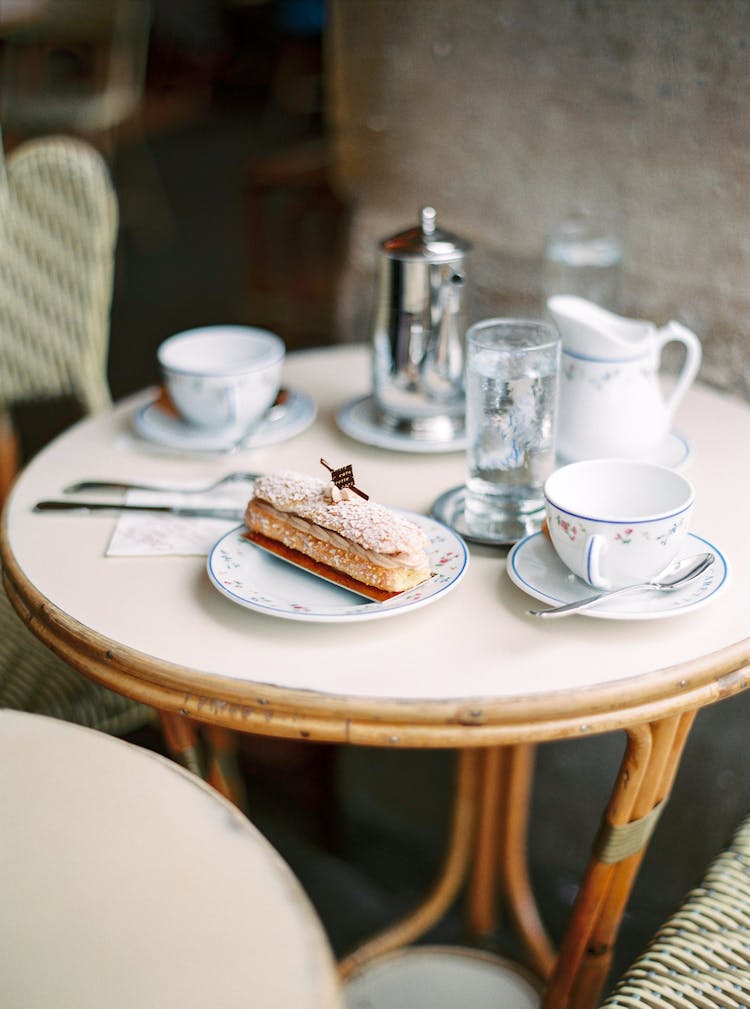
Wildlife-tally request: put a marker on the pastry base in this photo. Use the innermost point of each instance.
(335, 557)
(318, 568)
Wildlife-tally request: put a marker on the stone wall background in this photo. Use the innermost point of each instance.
(504, 114)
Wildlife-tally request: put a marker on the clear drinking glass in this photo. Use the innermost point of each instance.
(583, 256)
(512, 370)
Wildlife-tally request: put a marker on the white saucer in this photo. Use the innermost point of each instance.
(534, 566)
(358, 419)
(673, 452)
(449, 509)
(265, 583)
(157, 425)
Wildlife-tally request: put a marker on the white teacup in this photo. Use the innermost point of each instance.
(222, 377)
(617, 522)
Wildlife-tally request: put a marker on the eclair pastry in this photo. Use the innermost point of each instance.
(331, 527)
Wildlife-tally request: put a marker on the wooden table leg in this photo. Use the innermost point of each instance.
(181, 738)
(450, 878)
(223, 770)
(482, 896)
(10, 462)
(514, 864)
(219, 768)
(501, 849)
(642, 787)
(669, 737)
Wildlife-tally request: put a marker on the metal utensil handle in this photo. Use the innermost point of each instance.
(116, 508)
(89, 506)
(86, 485)
(582, 604)
(657, 586)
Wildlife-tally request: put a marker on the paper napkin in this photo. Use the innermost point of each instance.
(144, 534)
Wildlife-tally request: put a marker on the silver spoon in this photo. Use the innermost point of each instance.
(678, 573)
(87, 485)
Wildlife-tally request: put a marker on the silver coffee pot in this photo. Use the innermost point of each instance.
(418, 337)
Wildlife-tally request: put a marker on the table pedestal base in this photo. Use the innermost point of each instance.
(442, 977)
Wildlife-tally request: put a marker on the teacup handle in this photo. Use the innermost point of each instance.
(675, 331)
(594, 551)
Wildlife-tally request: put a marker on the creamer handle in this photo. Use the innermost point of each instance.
(693, 355)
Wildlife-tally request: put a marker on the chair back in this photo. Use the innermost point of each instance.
(58, 229)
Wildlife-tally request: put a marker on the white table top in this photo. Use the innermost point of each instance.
(127, 881)
(473, 649)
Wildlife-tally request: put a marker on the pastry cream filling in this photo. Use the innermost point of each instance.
(397, 560)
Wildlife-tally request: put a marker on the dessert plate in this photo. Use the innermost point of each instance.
(267, 584)
(534, 566)
(358, 419)
(161, 427)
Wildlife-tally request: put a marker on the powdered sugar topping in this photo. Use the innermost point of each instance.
(370, 525)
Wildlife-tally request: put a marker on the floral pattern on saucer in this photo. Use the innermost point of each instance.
(268, 584)
(535, 568)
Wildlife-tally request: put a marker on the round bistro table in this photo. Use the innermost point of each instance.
(472, 672)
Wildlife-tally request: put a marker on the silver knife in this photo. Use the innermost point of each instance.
(182, 511)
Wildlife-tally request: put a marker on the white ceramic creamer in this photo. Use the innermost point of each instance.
(611, 399)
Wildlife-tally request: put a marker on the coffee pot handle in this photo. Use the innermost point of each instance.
(675, 331)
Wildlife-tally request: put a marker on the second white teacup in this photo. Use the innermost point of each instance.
(222, 377)
(617, 522)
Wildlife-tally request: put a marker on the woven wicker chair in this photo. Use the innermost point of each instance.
(58, 227)
(700, 957)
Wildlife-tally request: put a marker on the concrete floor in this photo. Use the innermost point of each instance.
(364, 829)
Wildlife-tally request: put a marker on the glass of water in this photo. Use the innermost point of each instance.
(511, 409)
(583, 256)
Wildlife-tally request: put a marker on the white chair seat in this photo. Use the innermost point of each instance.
(126, 881)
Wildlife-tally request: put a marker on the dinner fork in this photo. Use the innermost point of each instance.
(89, 485)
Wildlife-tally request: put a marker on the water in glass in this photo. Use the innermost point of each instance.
(511, 396)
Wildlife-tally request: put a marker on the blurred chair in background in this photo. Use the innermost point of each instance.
(78, 68)
(58, 229)
(73, 68)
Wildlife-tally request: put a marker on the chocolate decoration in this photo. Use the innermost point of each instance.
(344, 477)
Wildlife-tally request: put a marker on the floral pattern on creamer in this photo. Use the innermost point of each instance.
(599, 376)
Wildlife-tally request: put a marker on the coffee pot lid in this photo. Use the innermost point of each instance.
(426, 241)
